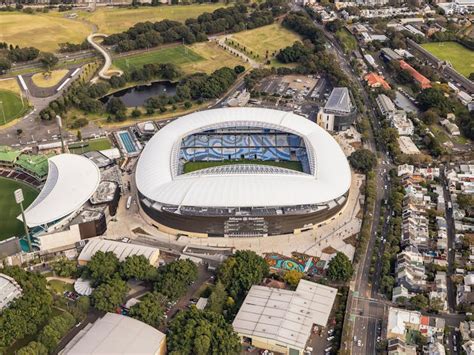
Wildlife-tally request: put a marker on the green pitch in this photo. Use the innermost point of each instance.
(461, 58)
(191, 166)
(178, 55)
(11, 106)
(9, 210)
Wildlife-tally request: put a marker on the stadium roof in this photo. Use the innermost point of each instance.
(116, 334)
(72, 179)
(157, 170)
(8, 155)
(36, 164)
(284, 316)
(121, 250)
(9, 290)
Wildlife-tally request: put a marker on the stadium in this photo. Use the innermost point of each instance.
(241, 172)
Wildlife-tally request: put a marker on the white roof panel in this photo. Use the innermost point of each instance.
(157, 179)
(72, 179)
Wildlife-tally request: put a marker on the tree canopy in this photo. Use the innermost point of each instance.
(242, 270)
(340, 268)
(293, 277)
(201, 333)
(150, 309)
(174, 278)
(137, 267)
(363, 160)
(64, 267)
(103, 266)
(108, 296)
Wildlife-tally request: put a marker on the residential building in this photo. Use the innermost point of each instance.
(421, 80)
(339, 113)
(376, 81)
(410, 270)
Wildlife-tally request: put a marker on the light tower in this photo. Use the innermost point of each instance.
(60, 126)
(19, 200)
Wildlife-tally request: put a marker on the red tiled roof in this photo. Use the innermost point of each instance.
(422, 80)
(375, 80)
(425, 320)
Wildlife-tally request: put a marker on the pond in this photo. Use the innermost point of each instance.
(137, 95)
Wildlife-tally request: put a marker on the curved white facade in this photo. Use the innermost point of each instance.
(71, 181)
(157, 169)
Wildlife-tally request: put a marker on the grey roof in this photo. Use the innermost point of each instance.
(116, 334)
(284, 316)
(9, 290)
(339, 102)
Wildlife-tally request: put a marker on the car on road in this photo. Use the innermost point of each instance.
(359, 343)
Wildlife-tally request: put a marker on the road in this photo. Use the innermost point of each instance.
(365, 318)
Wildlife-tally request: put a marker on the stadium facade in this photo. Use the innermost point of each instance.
(248, 185)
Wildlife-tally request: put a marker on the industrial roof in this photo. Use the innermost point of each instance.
(9, 290)
(72, 179)
(121, 250)
(116, 334)
(158, 180)
(284, 316)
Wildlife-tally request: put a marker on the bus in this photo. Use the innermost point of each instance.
(129, 202)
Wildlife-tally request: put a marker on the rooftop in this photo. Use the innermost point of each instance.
(9, 290)
(339, 101)
(116, 334)
(284, 316)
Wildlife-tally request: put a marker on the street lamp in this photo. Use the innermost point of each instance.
(60, 125)
(19, 200)
(3, 112)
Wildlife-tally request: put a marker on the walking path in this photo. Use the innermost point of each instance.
(105, 72)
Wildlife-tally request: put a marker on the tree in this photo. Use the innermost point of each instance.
(5, 65)
(217, 299)
(340, 268)
(419, 302)
(239, 69)
(137, 267)
(465, 201)
(293, 277)
(150, 309)
(79, 135)
(363, 160)
(200, 333)
(241, 271)
(103, 266)
(108, 296)
(49, 60)
(57, 327)
(174, 278)
(115, 106)
(33, 348)
(64, 267)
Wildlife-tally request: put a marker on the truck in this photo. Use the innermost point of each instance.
(129, 202)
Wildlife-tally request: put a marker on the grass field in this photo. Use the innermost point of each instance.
(9, 210)
(461, 58)
(46, 80)
(191, 166)
(87, 146)
(347, 40)
(272, 38)
(43, 31)
(199, 57)
(11, 106)
(179, 55)
(113, 20)
(59, 287)
(10, 85)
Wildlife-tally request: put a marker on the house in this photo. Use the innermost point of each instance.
(421, 80)
(376, 81)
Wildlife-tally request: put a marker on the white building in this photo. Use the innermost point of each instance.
(9, 290)
(282, 320)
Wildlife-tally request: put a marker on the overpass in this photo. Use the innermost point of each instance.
(104, 72)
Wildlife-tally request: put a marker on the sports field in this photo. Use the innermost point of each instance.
(272, 38)
(87, 146)
(179, 55)
(461, 58)
(43, 31)
(191, 166)
(113, 20)
(47, 80)
(11, 106)
(9, 210)
(199, 57)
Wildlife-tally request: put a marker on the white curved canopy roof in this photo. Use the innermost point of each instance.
(72, 179)
(157, 179)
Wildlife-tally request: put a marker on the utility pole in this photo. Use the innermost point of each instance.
(19, 200)
(60, 125)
